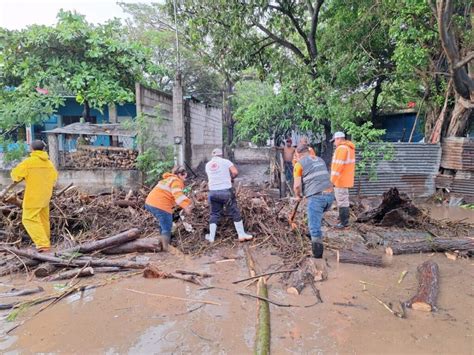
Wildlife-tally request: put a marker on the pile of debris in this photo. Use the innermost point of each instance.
(91, 157)
(83, 223)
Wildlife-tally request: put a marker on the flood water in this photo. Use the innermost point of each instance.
(112, 319)
(450, 213)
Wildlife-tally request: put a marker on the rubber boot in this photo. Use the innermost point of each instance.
(317, 247)
(212, 233)
(343, 217)
(165, 241)
(243, 236)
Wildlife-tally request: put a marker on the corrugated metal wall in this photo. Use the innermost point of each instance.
(412, 170)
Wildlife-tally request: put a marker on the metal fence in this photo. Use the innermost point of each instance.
(412, 170)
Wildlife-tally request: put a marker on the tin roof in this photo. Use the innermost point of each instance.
(110, 129)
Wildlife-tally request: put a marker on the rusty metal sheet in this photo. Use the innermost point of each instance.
(412, 170)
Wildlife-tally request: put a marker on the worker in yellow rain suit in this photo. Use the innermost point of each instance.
(40, 176)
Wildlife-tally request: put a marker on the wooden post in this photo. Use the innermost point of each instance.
(53, 147)
(113, 119)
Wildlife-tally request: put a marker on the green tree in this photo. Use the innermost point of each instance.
(95, 63)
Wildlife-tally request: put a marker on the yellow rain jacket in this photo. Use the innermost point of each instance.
(40, 176)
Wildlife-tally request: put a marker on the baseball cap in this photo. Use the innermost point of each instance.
(338, 135)
(217, 152)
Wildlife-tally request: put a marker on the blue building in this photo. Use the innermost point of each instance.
(71, 112)
(398, 126)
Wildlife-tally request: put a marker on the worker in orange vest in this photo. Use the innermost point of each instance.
(342, 175)
(164, 197)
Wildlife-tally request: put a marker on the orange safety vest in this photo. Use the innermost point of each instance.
(343, 165)
(168, 193)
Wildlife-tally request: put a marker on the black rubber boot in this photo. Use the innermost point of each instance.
(343, 217)
(317, 248)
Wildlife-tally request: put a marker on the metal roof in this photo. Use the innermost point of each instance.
(111, 129)
(412, 170)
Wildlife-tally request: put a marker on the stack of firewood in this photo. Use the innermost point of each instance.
(88, 157)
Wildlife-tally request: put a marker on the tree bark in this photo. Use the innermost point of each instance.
(76, 262)
(308, 272)
(69, 274)
(429, 246)
(427, 295)
(44, 269)
(359, 257)
(228, 117)
(112, 241)
(144, 245)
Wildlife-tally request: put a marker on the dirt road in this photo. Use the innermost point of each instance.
(112, 319)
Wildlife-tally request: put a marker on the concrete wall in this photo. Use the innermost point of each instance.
(253, 165)
(205, 123)
(153, 104)
(251, 155)
(92, 181)
(206, 131)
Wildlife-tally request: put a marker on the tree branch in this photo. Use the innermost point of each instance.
(463, 62)
(281, 41)
(314, 27)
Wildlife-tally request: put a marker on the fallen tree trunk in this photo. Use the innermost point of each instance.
(76, 262)
(359, 257)
(428, 280)
(263, 336)
(69, 274)
(118, 239)
(16, 266)
(308, 272)
(431, 245)
(145, 245)
(25, 292)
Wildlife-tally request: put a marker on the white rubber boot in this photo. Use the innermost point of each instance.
(239, 227)
(212, 233)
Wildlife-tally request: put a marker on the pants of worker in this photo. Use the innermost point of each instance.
(342, 196)
(36, 223)
(289, 172)
(219, 199)
(165, 220)
(317, 205)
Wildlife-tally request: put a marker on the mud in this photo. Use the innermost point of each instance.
(112, 319)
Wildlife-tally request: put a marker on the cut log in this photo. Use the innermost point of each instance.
(144, 245)
(307, 272)
(76, 262)
(44, 269)
(431, 245)
(69, 274)
(115, 240)
(428, 287)
(125, 203)
(359, 257)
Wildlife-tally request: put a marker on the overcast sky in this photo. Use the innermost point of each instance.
(16, 14)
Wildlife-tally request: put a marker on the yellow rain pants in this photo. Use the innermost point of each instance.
(36, 223)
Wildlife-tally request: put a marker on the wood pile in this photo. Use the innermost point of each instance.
(90, 157)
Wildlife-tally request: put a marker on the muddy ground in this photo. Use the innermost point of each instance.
(112, 319)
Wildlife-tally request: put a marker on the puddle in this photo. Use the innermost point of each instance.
(113, 320)
(450, 213)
